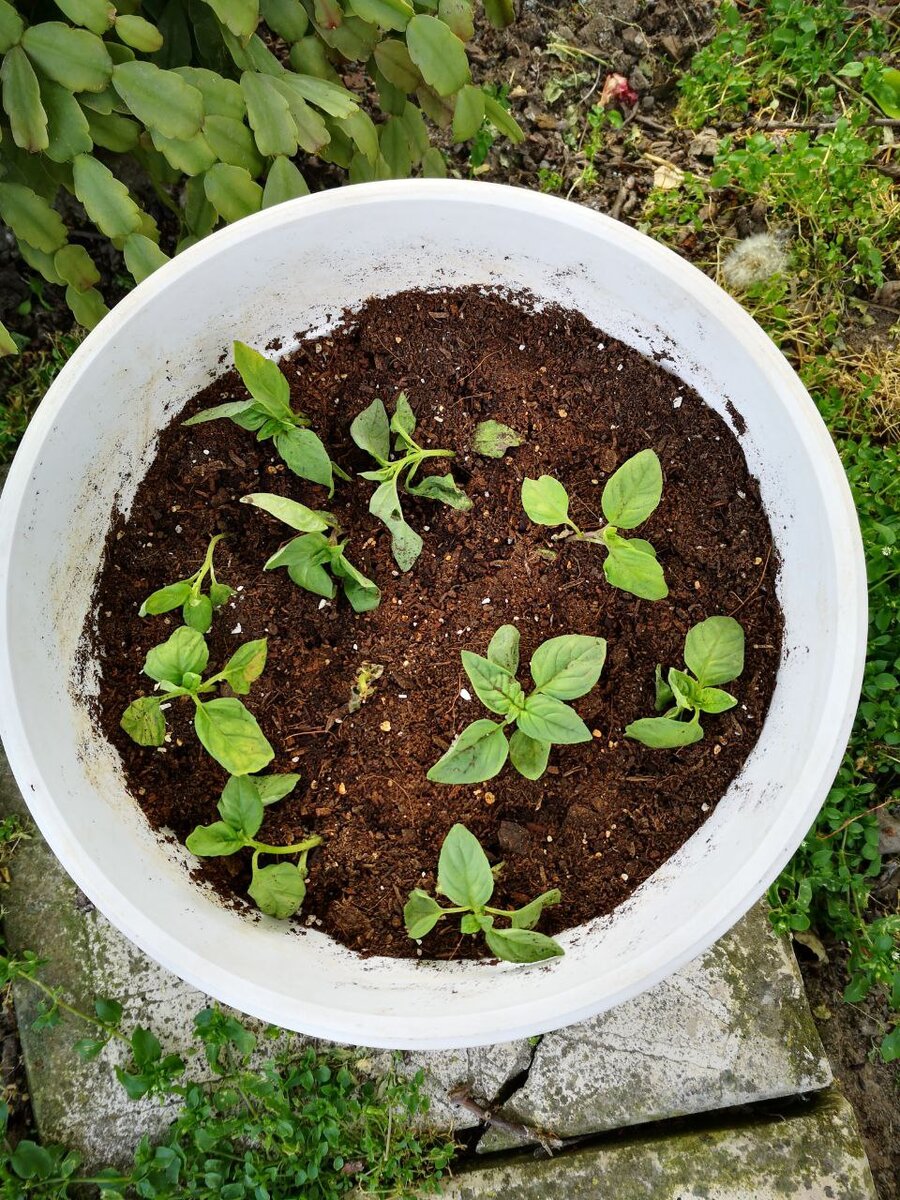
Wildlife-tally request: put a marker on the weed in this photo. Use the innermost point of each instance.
(24, 380)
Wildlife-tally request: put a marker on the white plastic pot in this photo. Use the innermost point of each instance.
(297, 267)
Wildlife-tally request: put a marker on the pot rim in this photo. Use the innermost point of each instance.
(708, 921)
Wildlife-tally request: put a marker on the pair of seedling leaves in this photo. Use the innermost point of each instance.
(372, 431)
(269, 415)
(279, 889)
(632, 493)
(227, 730)
(562, 668)
(467, 879)
(713, 654)
(196, 605)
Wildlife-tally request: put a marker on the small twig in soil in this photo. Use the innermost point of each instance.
(762, 576)
(546, 1141)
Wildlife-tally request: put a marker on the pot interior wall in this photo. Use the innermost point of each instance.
(297, 268)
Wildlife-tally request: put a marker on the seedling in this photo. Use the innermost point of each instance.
(714, 654)
(277, 890)
(311, 556)
(631, 494)
(372, 431)
(269, 415)
(226, 729)
(466, 878)
(363, 687)
(563, 668)
(492, 439)
(196, 605)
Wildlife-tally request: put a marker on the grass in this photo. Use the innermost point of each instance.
(834, 231)
(24, 378)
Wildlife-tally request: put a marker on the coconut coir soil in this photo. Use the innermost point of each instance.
(606, 815)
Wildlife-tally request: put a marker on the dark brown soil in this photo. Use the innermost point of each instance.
(606, 815)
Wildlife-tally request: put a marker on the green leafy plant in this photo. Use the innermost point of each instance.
(714, 654)
(268, 414)
(310, 557)
(227, 730)
(371, 431)
(466, 878)
(277, 890)
(631, 494)
(196, 605)
(208, 105)
(562, 668)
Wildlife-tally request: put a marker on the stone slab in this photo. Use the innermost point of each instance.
(721, 1022)
(732, 1027)
(813, 1154)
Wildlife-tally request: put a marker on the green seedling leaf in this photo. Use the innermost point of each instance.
(304, 558)
(664, 694)
(184, 651)
(528, 917)
(406, 544)
(442, 488)
(492, 438)
(272, 788)
(504, 648)
(664, 733)
(528, 755)
(264, 381)
(198, 613)
(549, 720)
(214, 841)
(304, 454)
(685, 689)
(298, 516)
(630, 567)
(421, 913)
(714, 700)
(634, 491)
(478, 754)
(522, 945)
(371, 431)
(714, 650)
(567, 667)
(495, 687)
(279, 890)
(165, 599)
(464, 873)
(241, 806)
(546, 501)
(245, 666)
(230, 734)
(144, 722)
(362, 593)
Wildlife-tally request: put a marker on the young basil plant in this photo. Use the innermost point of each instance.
(372, 431)
(196, 605)
(227, 730)
(631, 494)
(310, 557)
(714, 654)
(465, 877)
(277, 890)
(268, 414)
(563, 668)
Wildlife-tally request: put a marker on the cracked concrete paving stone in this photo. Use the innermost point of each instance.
(732, 1027)
(813, 1152)
(82, 1104)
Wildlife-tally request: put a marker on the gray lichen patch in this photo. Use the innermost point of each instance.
(815, 1155)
